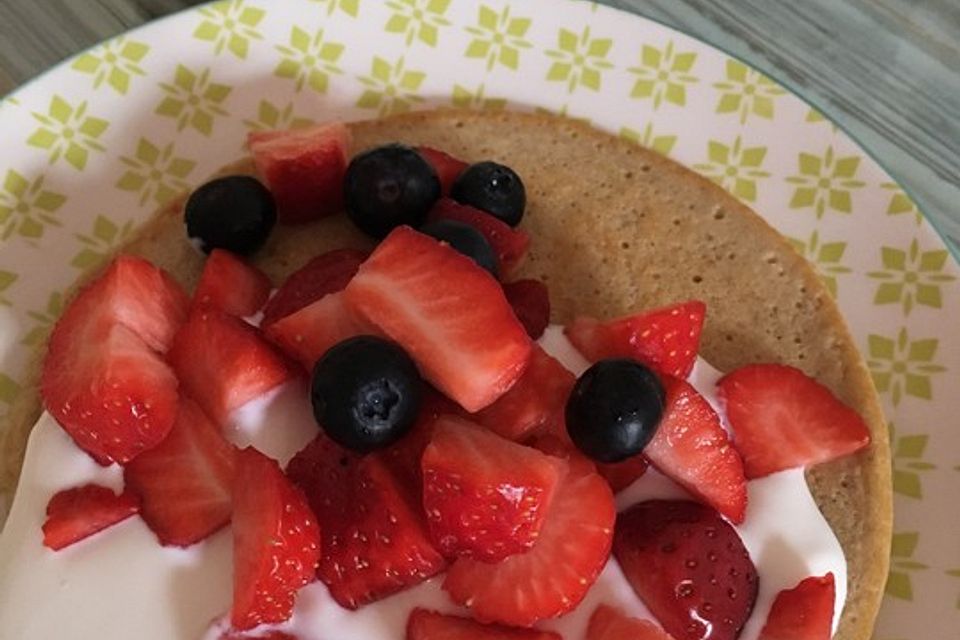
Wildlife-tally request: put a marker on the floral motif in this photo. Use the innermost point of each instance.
(391, 87)
(349, 7)
(901, 366)
(734, 167)
(903, 547)
(9, 389)
(193, 99)
(900, 203)
(663, 75)
(418, 19)
(747, 92)
(68, 132)
(662, 144)
(26, 207)
(44, 320)
(825, 181)
(911, 277)
(105, 235)
(155, 172)
(309, 60)
(498, 38)
(827, 257)
(271, 116)
(580, 60)
(230, 25)
(114, 62)
(464, 98)
(908, 463)
(7, 278)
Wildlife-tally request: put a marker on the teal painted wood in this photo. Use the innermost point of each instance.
(887, 71)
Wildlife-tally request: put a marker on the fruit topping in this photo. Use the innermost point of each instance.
(665, 339)
(307, 334)
(446, 166)
(365, 393)
(185, 482)
(614, 409)
(231, 285)
(430, 625)
(781, 418)
(804, 612)
(493, 188)
(389, 186)
(327, 273)
(692, 448)
(689, 567)
(621, 475)
(304, 169)
(510, 245)
(446, 312)
(77, 513)
(531, 303)
(276, 542)
(608, 623)
(555, 575)
(466, 240)
(236, 213)
(485, 497)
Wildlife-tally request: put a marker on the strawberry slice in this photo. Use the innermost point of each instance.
(692, 448)
(621, 475)
(689, 567)
(375, 539)
(508, 243)
(223, 363)
(303, 168)
(448, 313)
(446, 166)
(231, 285)
(804, 612)
(535, 404)
(185, 482)
(272, 634)
(609, 623)
(276, 542)
(531, 302)
(430, 625)
(781, 418)
(77, 513)
(327, 273)
(665, 339)
(554, 576)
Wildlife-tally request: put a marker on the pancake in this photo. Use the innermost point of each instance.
(617, 228)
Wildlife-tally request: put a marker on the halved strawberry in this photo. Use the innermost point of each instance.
(222, 362)
(608, 623)
(77, 513)
(303, 168)
(782, 418)
(508, 243)
(231, 634)
(185, 482)
(531, 302)
(276, 542)
(375, 539)
(692, 448)
(446, 166)
(621, 475)
(447, 312)
(430, 625)
(327, 273)
(665, 339)
(804, 612)
(552, 577)
(231, 285)
(305, 335)
(689, 567)
(534, 404)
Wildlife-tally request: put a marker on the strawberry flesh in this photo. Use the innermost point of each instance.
(509, 244)
(446, 166)
(327, 273)
(531, 302)
(621, 475)
(804, 612)
(430, 625)
(231, 285)
(77, 513)
(608, 623)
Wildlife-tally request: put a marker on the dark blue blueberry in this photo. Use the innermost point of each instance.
(494, 188)
(466, 240)
(235, 213)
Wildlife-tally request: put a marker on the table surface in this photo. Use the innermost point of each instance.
(887, 71)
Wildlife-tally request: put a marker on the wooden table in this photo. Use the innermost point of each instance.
(887, 71)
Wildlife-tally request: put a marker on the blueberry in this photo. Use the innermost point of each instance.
(614, 409)
(466, 240)
(235, 213)
(389, 186)
(366, 393)
(494, 188)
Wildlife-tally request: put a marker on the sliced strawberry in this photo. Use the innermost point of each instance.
(276, 542)
(665, 339)
(223, 363)
(782, 418)
(77, 513)
(552, 577)
(531, 302)
(689, 567)
(231, 634)
(508, 243)
(307, 334)
(430, 625)
(327, 273)
(375, 539)
(804, 612)
(231, 285)
(534, 404)
(446, 166)
(608, 623)
(448, 313)
(303, 168)
(185, 482)
(621, 475)
(692, 448)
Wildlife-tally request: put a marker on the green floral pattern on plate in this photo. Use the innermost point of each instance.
(68, 132)
(114, 63)
(498, 38)
(663, 75)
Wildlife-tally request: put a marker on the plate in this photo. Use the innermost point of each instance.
(94, 146)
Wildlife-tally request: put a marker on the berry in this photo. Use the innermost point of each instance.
(510, 245)
(327, 273)
(235, 213)
(531, 303)
(231, 285)
(77, 513)
(446, 166)
(446, 312)
(464, 239)
(365, 393)
(614, 409)
(689, 567)
(430, 625)
(781, 418)
(307, 334)
(608, 623)
(804, 612)
(621, 475)
(389, 186)
(665, 339)
(493, 188)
